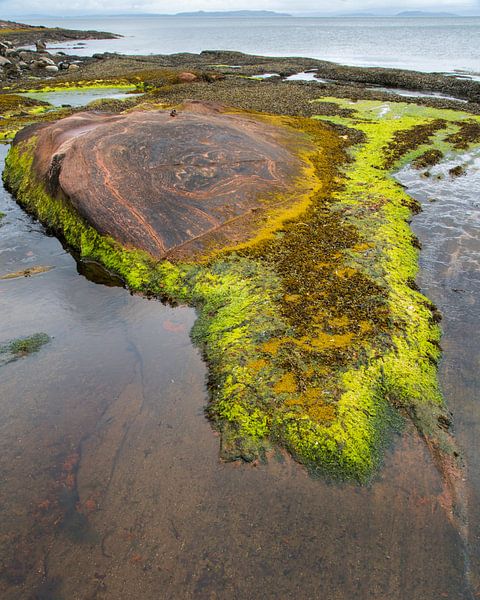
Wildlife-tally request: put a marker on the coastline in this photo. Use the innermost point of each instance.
(245, 431)
(319, 345)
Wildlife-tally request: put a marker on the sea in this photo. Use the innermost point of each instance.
(429, 44)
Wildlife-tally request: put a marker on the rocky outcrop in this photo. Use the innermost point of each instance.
(171, 183)
(19, 63)
(23, 63)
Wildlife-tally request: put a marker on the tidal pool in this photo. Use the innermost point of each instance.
(306, 76)
(80, 97)
(111, 484)
(415, 93)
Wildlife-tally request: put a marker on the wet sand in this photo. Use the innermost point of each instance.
(111, 485)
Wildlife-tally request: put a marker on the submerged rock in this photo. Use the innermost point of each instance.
(35, 270)
(168, 185)
(457, 171)
(20, 347)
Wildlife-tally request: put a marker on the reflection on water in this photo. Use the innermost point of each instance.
(449, 228)
(415, 93)
(306, 76)
(111, 486)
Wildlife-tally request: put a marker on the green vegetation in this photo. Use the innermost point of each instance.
(315, 334)
(67, 86)
(21, 347)
(19, 111)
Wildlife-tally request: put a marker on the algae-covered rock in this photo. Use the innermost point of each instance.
(315, 335)
(457, 171)
(167, 181)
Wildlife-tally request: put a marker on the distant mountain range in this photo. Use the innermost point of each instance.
(232, 13)
(422, 13)
(383, 13)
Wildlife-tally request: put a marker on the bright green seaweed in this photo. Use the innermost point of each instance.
(290, 361)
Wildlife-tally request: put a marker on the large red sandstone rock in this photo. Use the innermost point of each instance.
(169, 185)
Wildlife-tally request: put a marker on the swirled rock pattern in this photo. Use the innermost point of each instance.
(168, 184)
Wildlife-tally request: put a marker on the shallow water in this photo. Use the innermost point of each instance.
(424, 44)
(415, 93)
(449, 229)
(265, 75)
(305, 76)
(111, 485)
(80, 97)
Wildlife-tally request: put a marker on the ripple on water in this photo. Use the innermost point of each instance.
(450, 220)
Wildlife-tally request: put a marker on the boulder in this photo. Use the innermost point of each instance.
(187, 77)
(73, 67)
(51, 68)
(45, 60)
(4, 61)
(170, 186)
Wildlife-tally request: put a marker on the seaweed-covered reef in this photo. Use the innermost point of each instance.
(316, 336)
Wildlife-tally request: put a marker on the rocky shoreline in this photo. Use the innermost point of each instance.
(17, 62)
(25, 67)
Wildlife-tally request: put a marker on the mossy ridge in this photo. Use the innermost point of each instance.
(16, 111)
(377, 205)
(142, 81)
(327, 397)
(19, 111)
(76, 85)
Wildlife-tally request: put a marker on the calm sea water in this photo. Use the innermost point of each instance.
(425, 44)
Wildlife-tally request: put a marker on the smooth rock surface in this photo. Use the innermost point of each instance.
(169, 185)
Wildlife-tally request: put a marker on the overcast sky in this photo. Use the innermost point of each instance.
(60, 8)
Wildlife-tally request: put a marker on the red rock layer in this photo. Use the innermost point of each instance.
(163, 183)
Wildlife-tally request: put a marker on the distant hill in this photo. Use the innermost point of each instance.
(421, 13)
(13, 26)
(233, 13)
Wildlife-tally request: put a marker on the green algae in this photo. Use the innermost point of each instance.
(21, 347)
(76, 85)
(19, 111)
(315, 334)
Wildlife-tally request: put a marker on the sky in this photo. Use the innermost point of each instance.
(72, 7)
